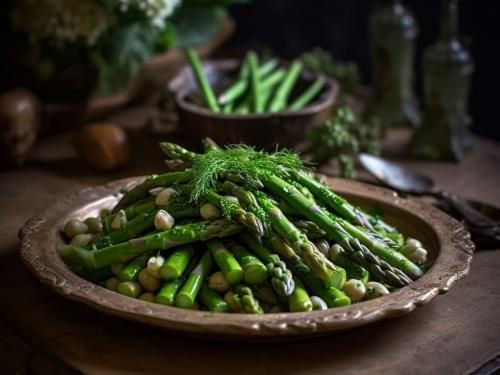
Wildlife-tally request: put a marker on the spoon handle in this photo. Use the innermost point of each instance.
(469, 213)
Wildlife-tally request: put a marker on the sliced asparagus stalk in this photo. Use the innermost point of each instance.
(186, 296)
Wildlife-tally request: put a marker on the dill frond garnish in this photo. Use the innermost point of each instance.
(241, 159)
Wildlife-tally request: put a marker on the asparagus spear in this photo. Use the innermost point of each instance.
(131, 212)
(332, 296)
(131, 270)
(77, 260)
(235, 212)
(151, 182)
(282, 280)
(309, 228)
(257, 103)
(255, 272)
(170, 288)
(210, 145)
(179, 235)
(279, 101)
(299, 299)
(352, 269)
(308, 94)
(246, 300)
(175, 151)
(373, 251)
(264, 293)
(265, 91)
(202, 80)
(230, 267)
(336, 202)
(212, 299)
(177, 262)
(239, 87)
(186, 296)
(310, 255)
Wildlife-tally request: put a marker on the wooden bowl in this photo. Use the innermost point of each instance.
(286, 128)
(448, 244)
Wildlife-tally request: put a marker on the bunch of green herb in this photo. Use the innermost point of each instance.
(343, 135)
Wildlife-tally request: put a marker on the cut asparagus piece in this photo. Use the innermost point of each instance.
(299, 300)
(332, 296)
(186, 296)
(255, 272)
(177, 262)
(166, 295)
(131, 270)
(212, 299)
(228, 264)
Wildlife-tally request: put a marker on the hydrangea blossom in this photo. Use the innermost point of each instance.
(156, 11)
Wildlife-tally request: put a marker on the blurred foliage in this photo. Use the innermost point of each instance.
(342, 136)
(321, 61)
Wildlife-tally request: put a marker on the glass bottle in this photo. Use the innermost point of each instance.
(393, 30)
(447, 68)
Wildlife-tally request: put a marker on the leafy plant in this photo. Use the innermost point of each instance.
(119, 54)
(321, 61)
(342, 136)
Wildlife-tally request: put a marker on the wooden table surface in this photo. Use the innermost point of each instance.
(43, 333)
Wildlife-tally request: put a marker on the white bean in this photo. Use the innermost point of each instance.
(75, 227)
(374, 290)
(82, 240)
(354, 289)
(218, 282)
(163, 198)
(208, 211)
(112, 284)
(150, 297)
(163, 220)
(232, 198)
(154, 265)
(148, 281)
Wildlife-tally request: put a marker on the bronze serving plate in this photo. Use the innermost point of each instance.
(448, 245)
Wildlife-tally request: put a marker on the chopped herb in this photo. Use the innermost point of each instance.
(123, 190)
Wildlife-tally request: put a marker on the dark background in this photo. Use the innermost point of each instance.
(289, 27)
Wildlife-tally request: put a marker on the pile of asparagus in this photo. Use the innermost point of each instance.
(236, 230)
(257, 88)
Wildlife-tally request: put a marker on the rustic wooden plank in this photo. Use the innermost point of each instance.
(455, 333)
(16, 346)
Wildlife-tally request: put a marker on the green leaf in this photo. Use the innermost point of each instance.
(377, 211)
(120, 53)
(197, 24)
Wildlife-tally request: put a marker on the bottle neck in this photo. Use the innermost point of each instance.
(449, 19)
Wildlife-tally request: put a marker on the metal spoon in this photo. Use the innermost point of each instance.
(408, 181)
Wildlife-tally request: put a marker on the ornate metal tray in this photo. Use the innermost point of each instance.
(447, 243)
